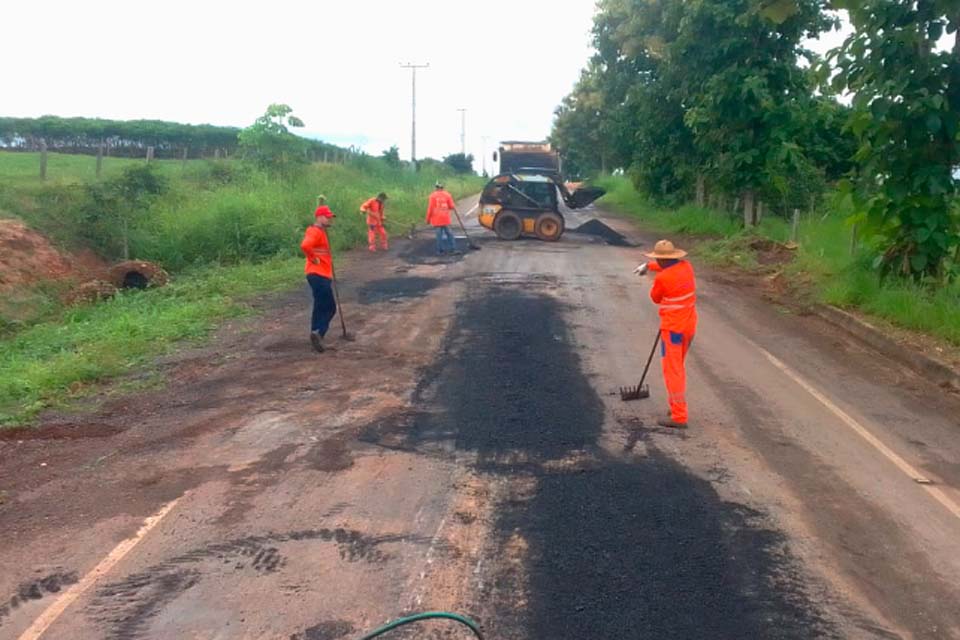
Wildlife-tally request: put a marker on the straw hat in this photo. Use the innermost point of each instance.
(664, 250)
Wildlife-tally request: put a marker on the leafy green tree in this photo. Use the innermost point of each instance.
(392, 156)
(268, 142)
(114, 206)
(907, 120)
(459, 162)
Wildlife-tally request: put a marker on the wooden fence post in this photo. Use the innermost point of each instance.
(43, 159)
(701, 190)
(183, 158)
(795, 227)
(99, 159)
(149, 154)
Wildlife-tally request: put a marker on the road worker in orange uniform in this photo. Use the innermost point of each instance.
(319, 270)
(374, 208)
(438, 215)
(675, 291)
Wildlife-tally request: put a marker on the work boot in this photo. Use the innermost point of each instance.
(317, 341)
(668, 421)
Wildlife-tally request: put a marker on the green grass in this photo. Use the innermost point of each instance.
(22, 169)
(225, 232)
(823, 259)
(51, 363)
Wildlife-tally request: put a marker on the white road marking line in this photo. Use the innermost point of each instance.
(429, 560)
(472, 209)
(56, 609)
(912, 472)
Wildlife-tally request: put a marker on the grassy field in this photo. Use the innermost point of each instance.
(823, 259)
(225, 232)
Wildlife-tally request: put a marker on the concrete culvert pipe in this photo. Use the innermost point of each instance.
(137, 274)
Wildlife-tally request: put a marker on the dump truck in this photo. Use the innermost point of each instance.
(537, 157)
(527, 202)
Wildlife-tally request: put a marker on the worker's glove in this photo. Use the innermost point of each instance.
(642, 269)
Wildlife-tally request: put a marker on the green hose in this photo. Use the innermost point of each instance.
(426, 616)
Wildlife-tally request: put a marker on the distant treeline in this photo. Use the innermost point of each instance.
(131, 138)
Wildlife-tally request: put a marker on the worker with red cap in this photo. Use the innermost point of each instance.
(675, 291)
(319, 270)
(374, 208)
(438, 215)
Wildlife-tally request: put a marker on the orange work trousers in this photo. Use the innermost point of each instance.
(673, 347)
(373, 231)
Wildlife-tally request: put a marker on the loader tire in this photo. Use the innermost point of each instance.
(508, 225)
(549, 227)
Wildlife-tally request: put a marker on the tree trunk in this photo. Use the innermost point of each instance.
(43, 159)
(748, 219)
(99, 159)
(701, 190)
(758, 216)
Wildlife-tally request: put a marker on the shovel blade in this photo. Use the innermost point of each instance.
(639, 392)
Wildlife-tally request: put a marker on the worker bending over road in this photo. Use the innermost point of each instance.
(376, 216)
(319, 270)
(438, 214)
(675, 291)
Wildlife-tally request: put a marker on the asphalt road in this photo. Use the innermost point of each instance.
(469, 453)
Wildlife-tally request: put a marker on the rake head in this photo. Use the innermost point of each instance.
(638, 392)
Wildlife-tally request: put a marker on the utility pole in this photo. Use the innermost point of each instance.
(484, 153)
(413, 136)
(463, 132)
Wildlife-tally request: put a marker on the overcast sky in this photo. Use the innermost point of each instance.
(508, 62)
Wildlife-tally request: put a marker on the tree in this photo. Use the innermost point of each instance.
(392, 156)
(459, 162)
(116, 204)
(268, 142)
(906, 116)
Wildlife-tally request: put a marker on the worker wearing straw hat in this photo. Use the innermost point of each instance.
(675, 291)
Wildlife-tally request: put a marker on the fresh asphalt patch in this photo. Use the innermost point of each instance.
(423, 251)
(611, 548)
(395, 289)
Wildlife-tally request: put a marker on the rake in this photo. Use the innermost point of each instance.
(642, 390)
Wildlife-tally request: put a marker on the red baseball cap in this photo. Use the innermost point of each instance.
(323, 211)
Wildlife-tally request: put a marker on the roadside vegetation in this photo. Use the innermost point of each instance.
(823, 268)
(719, 122)
(226, 230)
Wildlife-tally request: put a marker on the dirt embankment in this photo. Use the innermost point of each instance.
(26, 257)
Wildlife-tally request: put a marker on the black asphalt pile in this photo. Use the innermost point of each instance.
(600, 230)
(610, 548)
(390, 289)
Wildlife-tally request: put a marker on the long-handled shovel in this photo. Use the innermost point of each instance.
(470, 242)
(641, 391)
(336, 296)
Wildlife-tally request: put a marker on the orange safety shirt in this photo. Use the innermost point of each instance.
(374, 210)
(675, 290)
(316, 247)
(438, 210)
